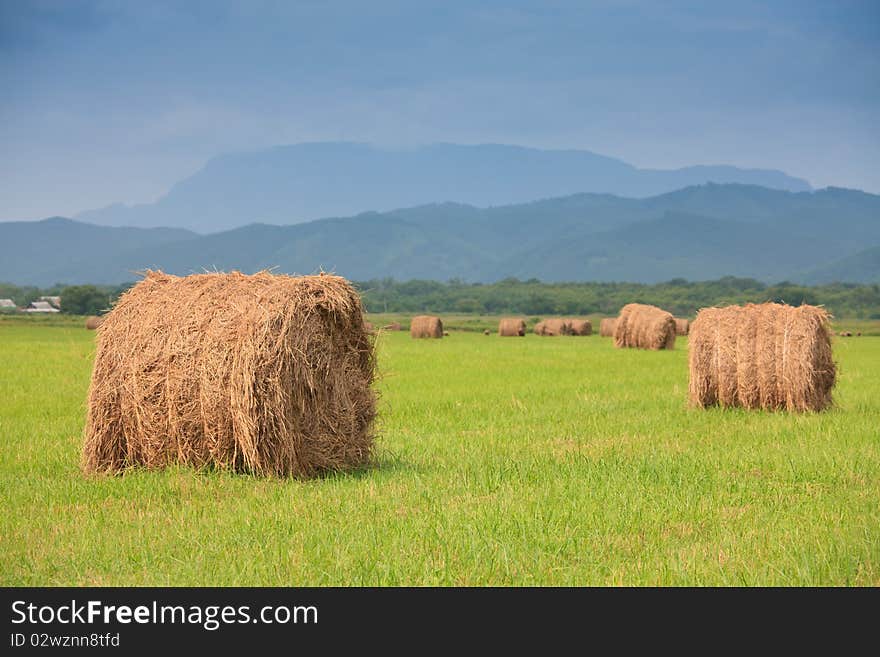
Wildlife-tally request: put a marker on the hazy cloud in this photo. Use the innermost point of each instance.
(115, 101)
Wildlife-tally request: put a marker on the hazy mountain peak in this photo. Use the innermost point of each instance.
(294, 183)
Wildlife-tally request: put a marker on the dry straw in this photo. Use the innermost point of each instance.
(644, 327)
(551, 327)
(606, 327)
(94, 322)
(769, 356)
(682, 326)
(426, 326)
(512, 327)
(580, 327)
(263, 374)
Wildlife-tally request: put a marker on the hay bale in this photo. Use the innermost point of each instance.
(487, 332)
(552, 327)
(263, 374)
(393, 326)
(580, 327)
(606, 327)
(368, 326)
(769, 356)
(94, 322)
(426, 326)
(681, 326)
(445, 334)
(644, 327)
(512, 327)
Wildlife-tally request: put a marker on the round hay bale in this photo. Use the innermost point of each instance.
(445, 334)
(769, 356)
(606, 327)
(263, 374)
(644, 327)
(512, 327)
(580, 327)
(94, 322)
(681, 326)
(393, 326)
(426, 326)
(552, 327)
(487, 332)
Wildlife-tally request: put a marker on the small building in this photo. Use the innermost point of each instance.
(40, 307)
(54, 301)
(7, 304)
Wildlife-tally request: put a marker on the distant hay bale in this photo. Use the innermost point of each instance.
(580, 327)
(393, 326)
(512, 327)
(681, 326)
(644, 327)
(445, 334)
(94, 322)
(263, 374)
(368, 326)
(487, 332)
(770, 356)
(606, 327)
(552, 327)
(426, 326)
(845, 334)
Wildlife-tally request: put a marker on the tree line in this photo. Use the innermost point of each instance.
(680, 297)
(532, 297)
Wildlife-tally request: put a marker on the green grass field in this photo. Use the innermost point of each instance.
(534, 461)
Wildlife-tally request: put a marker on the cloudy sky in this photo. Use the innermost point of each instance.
(104, 101)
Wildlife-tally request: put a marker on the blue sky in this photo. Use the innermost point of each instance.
(106, 101)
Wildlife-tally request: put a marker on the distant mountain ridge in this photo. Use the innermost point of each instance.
(293, 184)
(699, 233)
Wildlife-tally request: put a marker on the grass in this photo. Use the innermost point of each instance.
(533, 461)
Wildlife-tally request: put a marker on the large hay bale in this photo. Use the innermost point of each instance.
(580, 327)
(769, 356)
(426, 326)
(94, 322)
(551, 327)
(264, 374)
(512, 327)
(606, 327)
(644, 327)
(681, 326)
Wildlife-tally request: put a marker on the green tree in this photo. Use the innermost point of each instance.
(84, 300)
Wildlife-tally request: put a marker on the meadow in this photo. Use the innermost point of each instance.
(516, 461)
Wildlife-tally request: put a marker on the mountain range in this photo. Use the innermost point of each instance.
(700, 232)
(293, 184)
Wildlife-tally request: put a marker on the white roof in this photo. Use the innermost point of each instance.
(41, 307)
